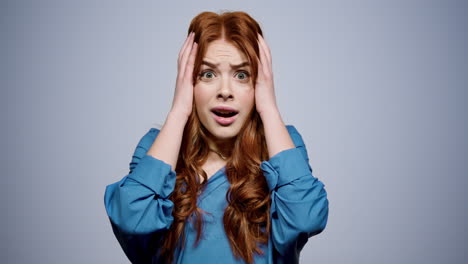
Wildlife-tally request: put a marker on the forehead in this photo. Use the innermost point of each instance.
(220, 50)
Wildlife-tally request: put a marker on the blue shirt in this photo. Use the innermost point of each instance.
(139, 209)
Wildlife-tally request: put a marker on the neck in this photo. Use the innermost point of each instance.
(223, 146)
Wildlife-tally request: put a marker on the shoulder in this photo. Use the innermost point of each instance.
(148, 138)
(153, 132)
(295, 135)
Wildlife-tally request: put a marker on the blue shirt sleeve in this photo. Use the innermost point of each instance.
(299, 208)
(138, 206)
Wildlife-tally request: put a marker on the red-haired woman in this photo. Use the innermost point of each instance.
(224, 180)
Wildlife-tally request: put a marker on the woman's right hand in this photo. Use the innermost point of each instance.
(183, 95)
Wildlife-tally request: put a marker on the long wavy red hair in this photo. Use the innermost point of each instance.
(246, 218)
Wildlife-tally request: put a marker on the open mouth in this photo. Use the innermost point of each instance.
(224, 114)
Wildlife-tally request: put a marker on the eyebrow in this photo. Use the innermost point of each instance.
(232, 66)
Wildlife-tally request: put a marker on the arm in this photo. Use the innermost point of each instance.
(166, 147)
(138, 206)
(276, 134)
(299, 207)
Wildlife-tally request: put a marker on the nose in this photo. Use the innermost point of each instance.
(225, 91)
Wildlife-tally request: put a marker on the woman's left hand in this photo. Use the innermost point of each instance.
(265, 99)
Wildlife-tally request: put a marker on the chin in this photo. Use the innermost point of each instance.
(224, 132)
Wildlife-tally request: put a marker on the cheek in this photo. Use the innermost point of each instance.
(199, 96)
(250, 97)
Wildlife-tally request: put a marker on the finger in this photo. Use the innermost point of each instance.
(260, 71)
(186, 54)
(187, 47)
(184, 46)
(265, 47)
(263, 60)
(191, 61)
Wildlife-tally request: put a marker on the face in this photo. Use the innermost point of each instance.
(221, 84)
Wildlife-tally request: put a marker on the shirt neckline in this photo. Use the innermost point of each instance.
(213, 182)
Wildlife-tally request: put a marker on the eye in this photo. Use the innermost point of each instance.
(243, 75)
(209, 75)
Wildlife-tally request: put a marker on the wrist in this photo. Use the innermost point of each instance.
(269, 112)
(272, 119)
(177, 114)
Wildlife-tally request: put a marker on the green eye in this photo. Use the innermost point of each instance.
(209, 75)
(243, 75)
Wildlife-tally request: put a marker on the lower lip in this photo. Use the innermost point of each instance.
(225, 120)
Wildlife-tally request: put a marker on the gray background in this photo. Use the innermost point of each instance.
(376, 88)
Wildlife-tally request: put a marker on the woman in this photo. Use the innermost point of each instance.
(224, 180)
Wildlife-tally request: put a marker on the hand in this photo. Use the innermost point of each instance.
(183, 95)
(265, 99)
